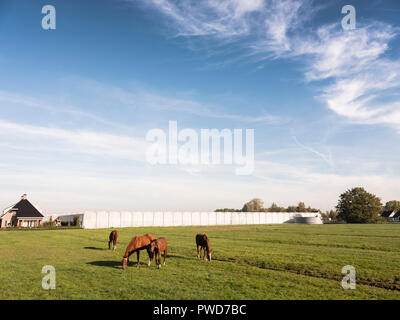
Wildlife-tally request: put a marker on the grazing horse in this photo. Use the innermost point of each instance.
(203, 242)
(137, 243)
(157, 246)
(113, 239)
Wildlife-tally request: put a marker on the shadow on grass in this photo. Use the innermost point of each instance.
(110, 264)
(116, 264)
(94, 248)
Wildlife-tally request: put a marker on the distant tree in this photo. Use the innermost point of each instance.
(275, 208)
(393, 205)
(291, 209)
(254, 205)
(301, 207)
(325, 215)
(328, 215)
(359, 206)
(333, 215)
(227, 210)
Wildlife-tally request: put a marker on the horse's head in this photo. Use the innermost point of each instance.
(152, 246)
(124, 263)
(149, 252)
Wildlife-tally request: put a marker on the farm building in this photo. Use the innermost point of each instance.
(21, 214)
(117, 219)
(391, 215)
(71, 219)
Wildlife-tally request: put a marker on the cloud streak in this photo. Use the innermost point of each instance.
(47, 139)
(145, 99)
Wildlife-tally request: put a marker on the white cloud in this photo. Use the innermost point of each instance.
(355, 64)
(360, 76)
(231, 20)
(224, 18)
(48, 139)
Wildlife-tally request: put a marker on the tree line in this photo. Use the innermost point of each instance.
(356, 205)
(257, 205)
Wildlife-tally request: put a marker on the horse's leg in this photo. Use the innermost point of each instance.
(204, 253)
(159, 259)
(115, 244)
(138, 261)
(165, 254)
(149, 254)
(130, 254)
(198, 251)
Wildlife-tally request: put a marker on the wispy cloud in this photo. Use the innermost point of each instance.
(326, 157)
(266, 22)
(356, 77)
(225, 18)
(51, 107)
(149, 99)
(50, 139)
(360, 76)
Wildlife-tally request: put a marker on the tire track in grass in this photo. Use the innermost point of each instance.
(372, 282)
(310, 244)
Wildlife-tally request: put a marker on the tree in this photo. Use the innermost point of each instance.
(275, 208)
(254, 205)
(393, 205)
(291, 209)
(359, 206)
(333, 215)
(301, 207)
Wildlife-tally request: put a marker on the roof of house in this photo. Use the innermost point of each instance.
(389, 213)
(25, 209)
(396, 215)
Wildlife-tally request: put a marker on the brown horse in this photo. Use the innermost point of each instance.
(113, 239)
(202, 242)
(137, 243)
(157, 246)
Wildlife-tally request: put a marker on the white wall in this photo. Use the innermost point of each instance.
(116, 219)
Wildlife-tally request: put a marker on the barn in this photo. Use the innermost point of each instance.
(21, 214)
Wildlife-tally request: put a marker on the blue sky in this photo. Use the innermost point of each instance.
(76, 102)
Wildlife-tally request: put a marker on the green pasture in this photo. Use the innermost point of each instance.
(287, 261)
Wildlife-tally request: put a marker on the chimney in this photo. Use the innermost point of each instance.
(24, 196)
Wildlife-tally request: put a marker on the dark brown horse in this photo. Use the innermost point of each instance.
(157, 246)
(113, 239)
(137, 243)
(202, 242)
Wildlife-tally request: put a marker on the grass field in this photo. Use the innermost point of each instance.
(287, 261)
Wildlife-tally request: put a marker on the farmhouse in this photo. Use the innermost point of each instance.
(391, 215)
(22, 214)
